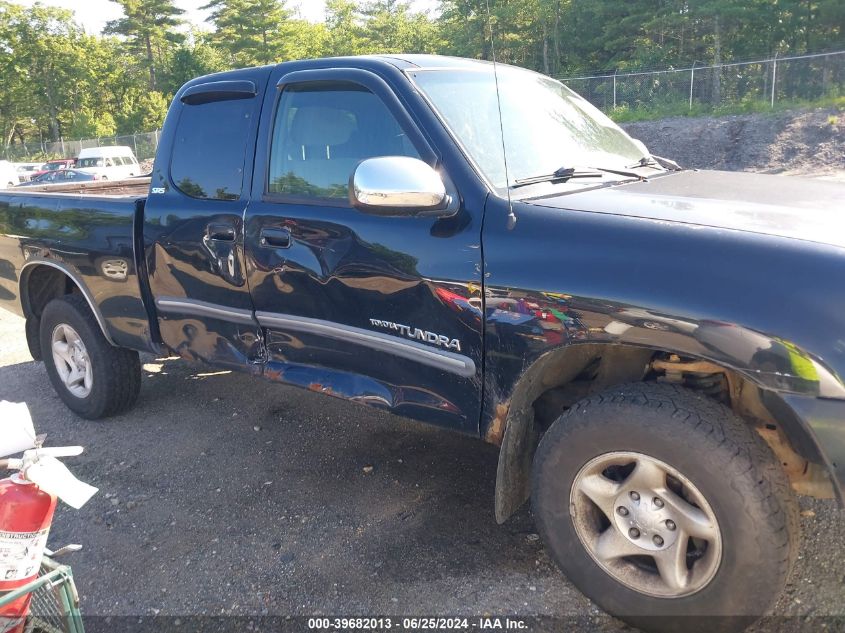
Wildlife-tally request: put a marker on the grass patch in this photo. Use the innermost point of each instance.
(665, 110)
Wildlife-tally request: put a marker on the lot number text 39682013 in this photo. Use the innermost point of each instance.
(485, 623)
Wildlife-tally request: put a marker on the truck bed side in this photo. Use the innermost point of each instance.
(67, 242)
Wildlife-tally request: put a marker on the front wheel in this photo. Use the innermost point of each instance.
(91, 376)
(666, 509)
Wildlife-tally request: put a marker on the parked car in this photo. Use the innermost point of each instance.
(8, 174)
(27, 170)
(60, 176)
(616, 325)
(109, 163)
(55, 165)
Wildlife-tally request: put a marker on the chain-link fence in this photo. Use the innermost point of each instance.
(700, 88)
(751, 85)
(143, 145)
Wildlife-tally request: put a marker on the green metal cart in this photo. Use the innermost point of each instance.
(55, 601)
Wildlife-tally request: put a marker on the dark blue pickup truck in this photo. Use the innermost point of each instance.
(659, 353)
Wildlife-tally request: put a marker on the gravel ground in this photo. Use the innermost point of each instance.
(222, 494)
(796, 142)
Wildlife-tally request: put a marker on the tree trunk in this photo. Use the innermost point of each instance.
(556, 37)
(53, 113)
(545, 48)
(150, 61)
(716, 97)
(807, 28)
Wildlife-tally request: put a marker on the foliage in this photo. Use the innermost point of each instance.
(150, 29)
(251, 32)
(59, 82)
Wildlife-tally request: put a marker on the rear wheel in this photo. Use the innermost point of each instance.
(666, 509)
(91, 376)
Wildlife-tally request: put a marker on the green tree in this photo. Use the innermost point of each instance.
(87, 123)
(43, 67)
(150, 28)
(195, 57)
(250, 31)
(305, 40)
(142, 111)
(389, 26)
(345, 34)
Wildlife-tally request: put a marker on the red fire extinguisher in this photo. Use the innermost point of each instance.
(26, 513)
(27, 503)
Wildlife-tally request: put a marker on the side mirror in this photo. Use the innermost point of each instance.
(398, 185)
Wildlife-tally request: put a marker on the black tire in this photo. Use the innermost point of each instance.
(116, 371)
(721, 455)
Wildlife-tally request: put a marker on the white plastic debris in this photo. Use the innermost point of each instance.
(18, 432)
(53, 477)
(39, 465)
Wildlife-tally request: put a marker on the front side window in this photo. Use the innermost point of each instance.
(322, 131)
(209, 149)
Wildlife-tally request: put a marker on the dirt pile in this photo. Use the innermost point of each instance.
(810, 142)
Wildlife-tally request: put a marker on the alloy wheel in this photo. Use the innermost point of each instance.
(646, 524)
(72, 361)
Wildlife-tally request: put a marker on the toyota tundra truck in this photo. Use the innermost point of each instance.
(658, 353)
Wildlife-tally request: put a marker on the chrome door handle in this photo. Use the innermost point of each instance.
(220, 232)
(275, 238)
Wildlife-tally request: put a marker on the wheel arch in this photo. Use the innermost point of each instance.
(570, 373)
(54, 279)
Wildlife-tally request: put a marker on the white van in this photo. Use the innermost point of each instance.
(109, 163)
(8, 175)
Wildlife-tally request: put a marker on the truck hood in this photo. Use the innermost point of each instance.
(784, 206)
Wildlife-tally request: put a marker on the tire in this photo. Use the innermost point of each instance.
(115, 373)
(732, 576)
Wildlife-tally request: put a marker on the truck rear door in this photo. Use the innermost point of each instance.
(382, 310)
(193, 221)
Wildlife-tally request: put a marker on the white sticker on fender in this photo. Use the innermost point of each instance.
(21, 553)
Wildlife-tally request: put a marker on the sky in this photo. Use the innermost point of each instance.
(93, 14)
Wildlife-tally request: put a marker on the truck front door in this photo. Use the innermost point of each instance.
(383, 310)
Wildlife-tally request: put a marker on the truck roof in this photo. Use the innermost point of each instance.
(427, 61)
(398, 60)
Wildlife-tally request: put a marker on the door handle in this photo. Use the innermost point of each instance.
(275, 238)
(220, 232)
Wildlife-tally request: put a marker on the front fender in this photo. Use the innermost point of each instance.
(765, 307)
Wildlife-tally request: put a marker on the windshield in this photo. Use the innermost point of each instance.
(55, 166)
(546, 125)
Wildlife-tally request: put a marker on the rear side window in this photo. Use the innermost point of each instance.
(322, 131)
(210, 147)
